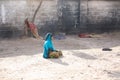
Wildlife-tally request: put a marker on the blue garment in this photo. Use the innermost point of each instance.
(48, 45)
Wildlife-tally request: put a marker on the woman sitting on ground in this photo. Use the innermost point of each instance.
(49, 50)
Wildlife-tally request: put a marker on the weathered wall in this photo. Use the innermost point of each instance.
(14, 12)
(12, 15)
(69, 16)
(100, 15)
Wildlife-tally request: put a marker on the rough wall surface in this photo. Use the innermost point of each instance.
(69, 16)
(100, 15)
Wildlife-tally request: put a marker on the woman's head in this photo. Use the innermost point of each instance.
(48, 36)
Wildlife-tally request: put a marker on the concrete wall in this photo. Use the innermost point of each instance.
(15, 11)
(100, 15)
(69, 16)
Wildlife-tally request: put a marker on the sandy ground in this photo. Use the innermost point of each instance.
(21, 59)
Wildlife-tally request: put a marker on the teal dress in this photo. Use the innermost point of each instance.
(48, 45)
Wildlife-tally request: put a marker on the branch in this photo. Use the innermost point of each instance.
(34, 16)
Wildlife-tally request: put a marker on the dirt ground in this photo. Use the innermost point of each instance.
(83, 59)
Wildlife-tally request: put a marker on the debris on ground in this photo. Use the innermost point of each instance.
(59, 36)
(86, 35)
(107, 49)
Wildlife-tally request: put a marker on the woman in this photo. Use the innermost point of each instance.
(32, 28)
(49, 50)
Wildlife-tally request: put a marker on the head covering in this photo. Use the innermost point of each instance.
(48, 36)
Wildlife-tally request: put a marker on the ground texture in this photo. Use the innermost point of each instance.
(83, 59)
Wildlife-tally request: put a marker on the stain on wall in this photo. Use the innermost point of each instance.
(100, 16)
(68, 18)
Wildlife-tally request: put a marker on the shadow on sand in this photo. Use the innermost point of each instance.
(84, 55)
(115, 74)
(59, 61)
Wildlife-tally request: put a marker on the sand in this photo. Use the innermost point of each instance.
(83, 59)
